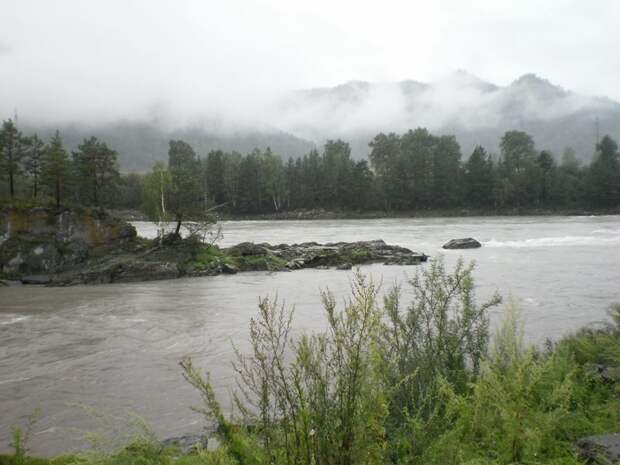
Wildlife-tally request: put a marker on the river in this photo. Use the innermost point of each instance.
(116, 348)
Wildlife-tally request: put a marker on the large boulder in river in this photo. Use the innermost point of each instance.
(465, 243)
(592, 449)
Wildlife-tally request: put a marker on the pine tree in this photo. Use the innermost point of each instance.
(34, 161)
(604, 176)
(12, 150)
(56, 168)
(96, 165)
(479, 178)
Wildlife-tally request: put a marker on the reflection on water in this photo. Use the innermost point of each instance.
(117, 347)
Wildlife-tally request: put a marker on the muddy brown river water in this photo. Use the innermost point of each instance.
(116, 347)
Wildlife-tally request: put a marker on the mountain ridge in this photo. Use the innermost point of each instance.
(476, 111)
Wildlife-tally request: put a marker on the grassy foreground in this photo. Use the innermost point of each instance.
(385, 383)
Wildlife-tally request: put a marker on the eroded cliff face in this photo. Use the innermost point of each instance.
(46, 240)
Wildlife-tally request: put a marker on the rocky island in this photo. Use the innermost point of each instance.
(44, 245)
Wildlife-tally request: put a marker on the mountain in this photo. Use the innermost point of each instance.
(476, 111)
(141, 144)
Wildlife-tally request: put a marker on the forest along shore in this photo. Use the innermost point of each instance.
(44, 245)
(322, 214)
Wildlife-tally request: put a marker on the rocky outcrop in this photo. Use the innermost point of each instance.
(41, 240)
(465, 243)
(45, 246)
(592, 449)
(343, 254)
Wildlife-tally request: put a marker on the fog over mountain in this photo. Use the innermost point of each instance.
(477, 112)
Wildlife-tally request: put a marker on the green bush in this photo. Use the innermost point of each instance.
(420, 385)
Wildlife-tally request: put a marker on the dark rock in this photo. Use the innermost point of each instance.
(607, 374)
(187, 444)
(295, 264)
(44, 240)
(344, 266)
(44, 257)
(36, 279)
(407, 260)
(127, 231)
(121, 269)
(229, 269)
(592, 448)
(465, 243)
(145, 271)
(246, 249)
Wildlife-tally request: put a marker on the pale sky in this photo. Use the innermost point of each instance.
(86, 60)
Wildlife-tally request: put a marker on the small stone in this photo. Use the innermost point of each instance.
(344, 266)
(188, 444)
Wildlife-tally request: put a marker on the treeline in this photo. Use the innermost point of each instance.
(31, 168)
(413, 171)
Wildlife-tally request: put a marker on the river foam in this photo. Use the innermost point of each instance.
(12, 318)
(563, 241)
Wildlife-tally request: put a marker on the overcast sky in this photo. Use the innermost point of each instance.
(83, 59)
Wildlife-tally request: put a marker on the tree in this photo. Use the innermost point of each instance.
(12, 150)
(417, 167)
(34, 162)
(385, 158)
(131, 187)
(187, 198)
(571, 178)
(604, 177)
(180, 154)
(360, 187)
(156, 190)
(519, 167)
(446, 172)
(96, 166)
(479, 178)
(274, 180)
(337, 163)
(55, 168)
(232, 166)
(548, 179)
(214, 172)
